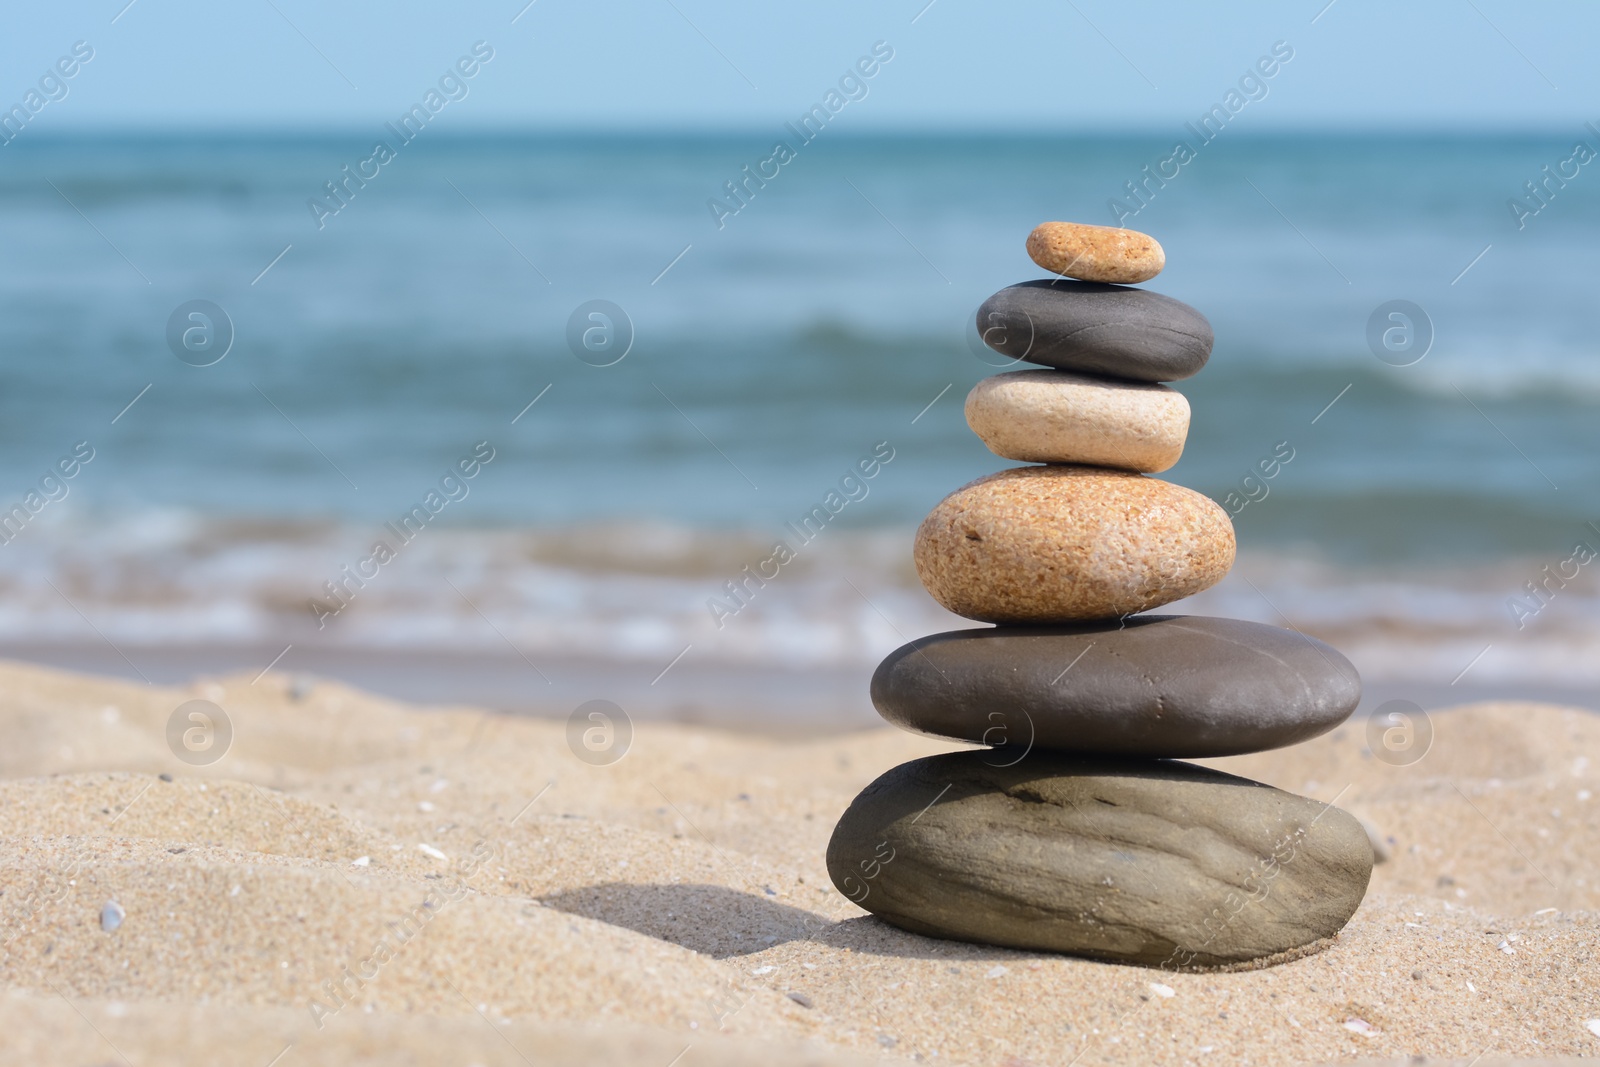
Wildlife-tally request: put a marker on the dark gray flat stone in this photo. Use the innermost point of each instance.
(1152, 862)
(1099, 329)
(1163, 686)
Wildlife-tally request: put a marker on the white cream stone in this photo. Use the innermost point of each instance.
(1049, 416)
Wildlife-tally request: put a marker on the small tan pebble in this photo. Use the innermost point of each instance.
(1049, 416)
(1066, 543)
(1096, 253)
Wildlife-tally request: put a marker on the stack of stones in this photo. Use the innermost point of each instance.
(1074, 830)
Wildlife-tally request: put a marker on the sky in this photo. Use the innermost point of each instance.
(671, 65)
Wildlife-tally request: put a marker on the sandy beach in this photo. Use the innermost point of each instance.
(361, 881)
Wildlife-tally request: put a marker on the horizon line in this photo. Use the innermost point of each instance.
(1122, 131)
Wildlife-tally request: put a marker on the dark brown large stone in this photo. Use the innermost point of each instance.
(1163, 686)
(1149, 862)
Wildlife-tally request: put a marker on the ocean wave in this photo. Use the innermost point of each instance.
(625, 592)
(638, 593)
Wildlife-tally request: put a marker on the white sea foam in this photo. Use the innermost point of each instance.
(637, 594)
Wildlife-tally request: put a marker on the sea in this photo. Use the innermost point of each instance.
(656, 367)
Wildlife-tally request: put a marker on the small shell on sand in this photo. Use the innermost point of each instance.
(1380, 847)
(111, 916)
(1096, 253)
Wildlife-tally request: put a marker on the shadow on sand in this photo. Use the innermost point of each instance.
(723, 923)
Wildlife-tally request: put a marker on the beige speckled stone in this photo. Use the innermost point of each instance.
(1047, 416)
(1096, 253)
(1057, 544)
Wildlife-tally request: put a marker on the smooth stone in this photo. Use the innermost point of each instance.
(1053, 416)
(1063, 544)
(1097, 329)
(1135, 861)
(1161, 686)
(1096, 253)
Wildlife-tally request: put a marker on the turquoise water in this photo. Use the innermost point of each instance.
(767, 355)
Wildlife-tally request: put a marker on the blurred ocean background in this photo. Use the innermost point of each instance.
(832, 312)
